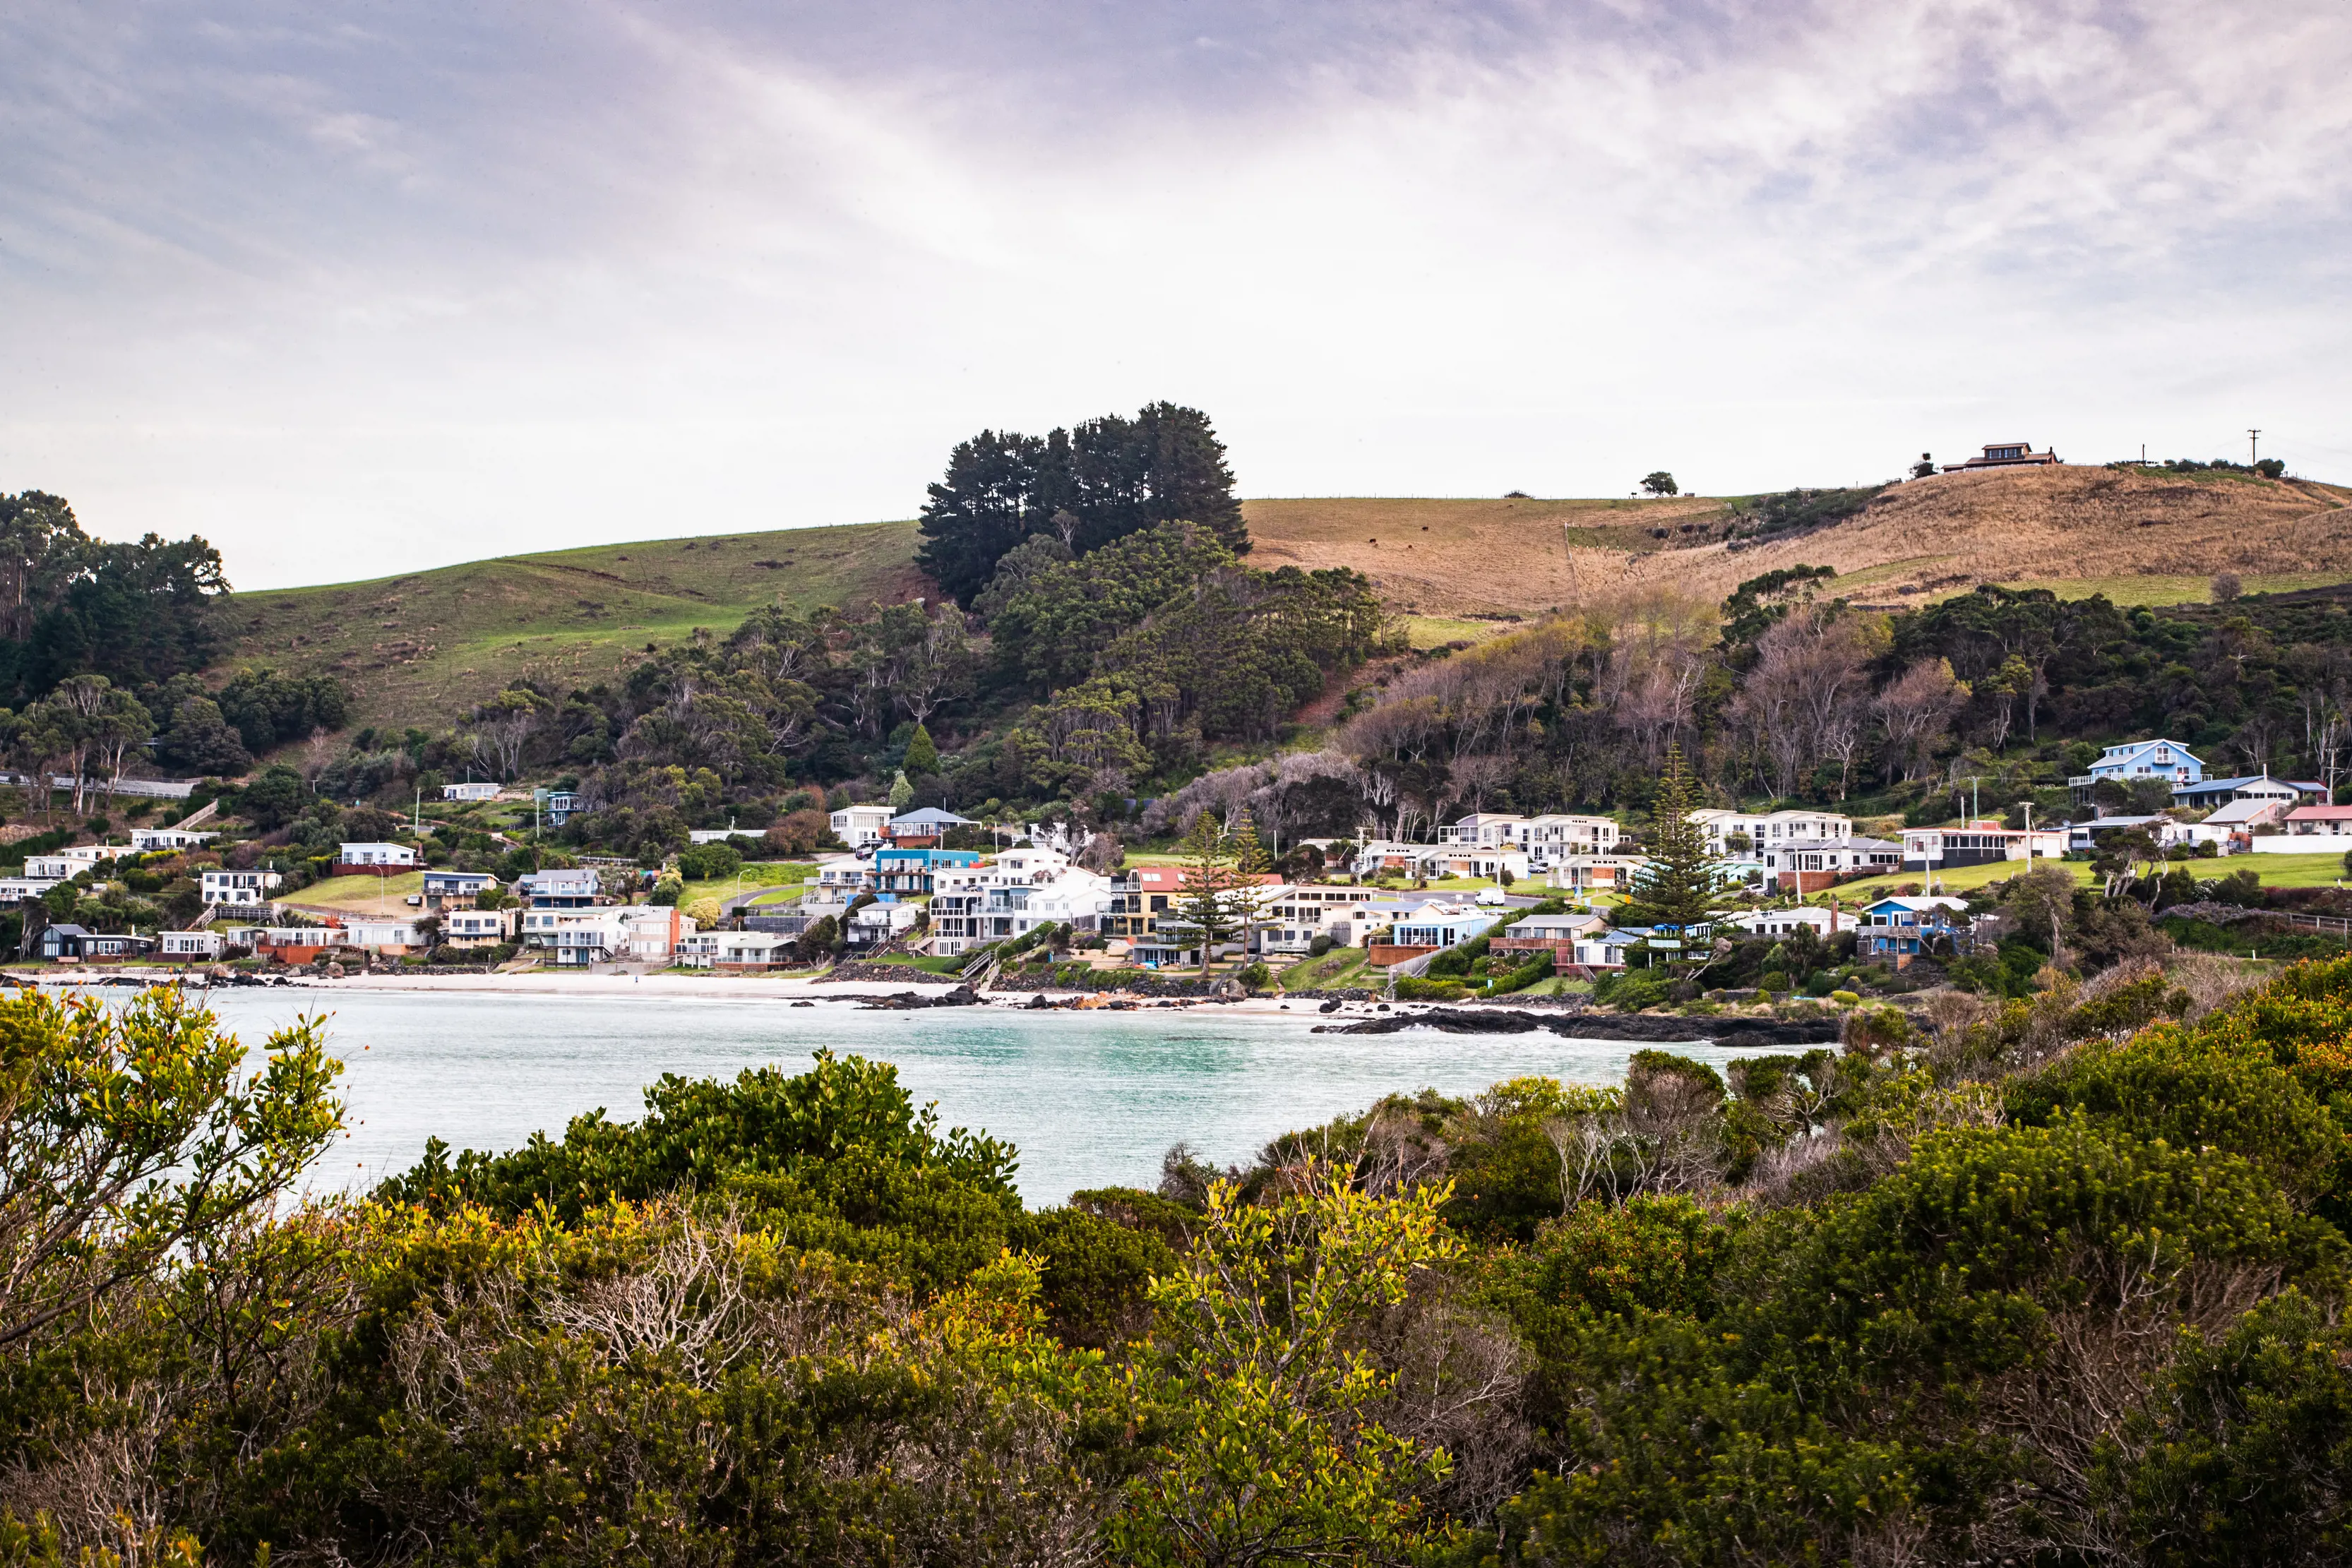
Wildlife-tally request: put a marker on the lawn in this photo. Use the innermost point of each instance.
(756, 873)
(1339, 967)
(2158, 591)
(360, 894)
(2276, 870)
(929, 963)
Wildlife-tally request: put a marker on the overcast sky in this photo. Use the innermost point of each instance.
(350, 288)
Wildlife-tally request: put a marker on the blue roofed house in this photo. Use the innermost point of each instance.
(1904, 928)
(930, 825)
(2252, 787)
(2164, 760)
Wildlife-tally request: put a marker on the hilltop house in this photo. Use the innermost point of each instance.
(2006, 455)
(2167, 760)
(858, 826)
(151, 840)
(455, 889)
(65, 864)
(376, 857)
(472, 789)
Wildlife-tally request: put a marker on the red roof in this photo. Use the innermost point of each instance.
(2320, 814)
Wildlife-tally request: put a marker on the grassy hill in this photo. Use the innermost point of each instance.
(419, 648)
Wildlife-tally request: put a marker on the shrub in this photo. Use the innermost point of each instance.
(1413, 988)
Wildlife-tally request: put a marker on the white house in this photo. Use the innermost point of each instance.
(245, 888)
(1808, 865)
(742, 951)
(376, 855)
(191, 945)
(1788, 922)
(1763, 830)
(150, 841)
(2332, 825)
(472, 789)
(16, 889)
(721, 835)
(64, 865)
(858, 826)
(1297, 913)
(1441, 924)
(1979, 843)
(391, 937)
(1012, 896)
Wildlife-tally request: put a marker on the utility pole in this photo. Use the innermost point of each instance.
(2253, 448)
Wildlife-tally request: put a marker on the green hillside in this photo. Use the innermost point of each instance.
(420, 647)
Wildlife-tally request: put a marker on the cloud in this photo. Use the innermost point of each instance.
(351, 294)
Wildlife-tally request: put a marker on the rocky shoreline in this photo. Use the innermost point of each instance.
(1752, 1033)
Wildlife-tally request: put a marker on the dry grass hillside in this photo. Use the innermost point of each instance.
(421, 648)
(2079, 529)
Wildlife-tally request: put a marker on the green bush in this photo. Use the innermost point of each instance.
(1414, 988)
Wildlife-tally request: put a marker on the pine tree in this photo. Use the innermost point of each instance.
(1678, 888)
(922, 755)
(901, 792)
(1206, 901)
(1249, 863)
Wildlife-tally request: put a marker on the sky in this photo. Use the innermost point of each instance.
(354, 289)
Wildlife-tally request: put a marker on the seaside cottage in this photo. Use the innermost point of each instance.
(376, 857)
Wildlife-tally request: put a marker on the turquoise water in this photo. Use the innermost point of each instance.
(1090, 1099)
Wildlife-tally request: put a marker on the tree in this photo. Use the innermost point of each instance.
(200, 740)
(2226, 586)
(922, 755)
(1916, 710)
(1276, 1453)
(1660, 483)
(901, 792)
(124, 1135)
(1678, 889)
(1205, 902)
(275, 799)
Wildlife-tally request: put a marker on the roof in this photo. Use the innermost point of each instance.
(930, 816)
(376, 844)
(1534, 922)
(2244, 811)
(68, 930)
(1918, 905)
(2245, 781)
(2320, 814)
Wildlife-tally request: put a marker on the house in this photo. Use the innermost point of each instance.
(375, 856)
(793, 919)
(472, 789)
(879, 923)
(1808, 866)
(572, 887)
(990, 899)
(2331, 822)
(1296, 915)
(238, 889)
(557, 804)
(455, 889)
(928, 825)
(17, 889)
(2238, 820)
(1144, 908)
(1555, 933)
(1595, 874)
(471, 928)
(154, 840)
(1979, 843)
(858, 826)
(1459, 857)
(2166, 833)
(1557, 835)
(288, 944)
(64, 865)
(1789, 922)
(1902, 928)
(2005, 454)
(2251, 786)
(2164, 760)
(751, 837)
(742, 951)
(1762, 829)
(1436, 924)
(912, 871)
(74, 943)
(1483, 830)
(191, 945)
(392, 937)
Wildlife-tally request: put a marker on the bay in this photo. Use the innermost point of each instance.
(1090, 1099)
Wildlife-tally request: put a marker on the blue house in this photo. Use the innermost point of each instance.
(1902, 928)
(2252, 787)
(2165, 760)
(897, 871)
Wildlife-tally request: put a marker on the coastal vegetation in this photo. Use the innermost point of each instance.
(2052, 1278)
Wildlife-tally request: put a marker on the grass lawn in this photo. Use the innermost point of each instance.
(1557, 986)
(928, 963)
(757, 873)
(2286, 871)
(1339, 967)
(1437, 631)
(2276, 870)
(360, 894)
